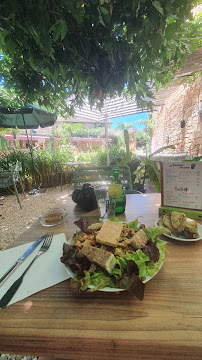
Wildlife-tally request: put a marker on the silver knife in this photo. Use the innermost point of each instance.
(21, 259)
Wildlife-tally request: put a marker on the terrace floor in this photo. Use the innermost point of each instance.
(14, 221)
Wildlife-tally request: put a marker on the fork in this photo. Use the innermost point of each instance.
(12, 290)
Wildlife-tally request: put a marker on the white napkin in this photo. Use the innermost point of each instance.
(46, 271)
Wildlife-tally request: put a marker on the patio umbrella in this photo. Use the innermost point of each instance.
(112, 108)
(28, 117)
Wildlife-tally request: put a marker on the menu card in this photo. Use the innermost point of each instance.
(182, 184)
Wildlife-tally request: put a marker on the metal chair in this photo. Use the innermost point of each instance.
(60, 171)
(11, 178)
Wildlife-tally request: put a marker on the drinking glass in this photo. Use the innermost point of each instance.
(111, 207)
(101, 197)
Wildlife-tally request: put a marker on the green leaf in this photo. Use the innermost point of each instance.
(156, 43)
(55, 76)
(133, 224)
(52, 52)
(119, 35)
(134, 164)
(12, 45)
(170, 31)
(101, 20)
(104, 10)
(56, 33)
(114, 219)
(158, 7)
(162, 149)
(63, 29)
(138, 8)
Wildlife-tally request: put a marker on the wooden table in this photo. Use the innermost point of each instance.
(167, 324)
(73, 164)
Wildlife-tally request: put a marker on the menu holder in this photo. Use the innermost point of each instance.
(181, 188)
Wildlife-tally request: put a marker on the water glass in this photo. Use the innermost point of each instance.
(111, 207)
(101, 198)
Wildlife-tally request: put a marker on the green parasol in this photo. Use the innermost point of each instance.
(28, 117)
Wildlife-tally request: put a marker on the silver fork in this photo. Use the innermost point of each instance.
(12, 290)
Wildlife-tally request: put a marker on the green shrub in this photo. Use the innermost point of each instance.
(43, 162)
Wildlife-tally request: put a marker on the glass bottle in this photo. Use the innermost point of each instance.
(121, 201)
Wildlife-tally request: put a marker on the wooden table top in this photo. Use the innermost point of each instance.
(74, 163)
(167, 324)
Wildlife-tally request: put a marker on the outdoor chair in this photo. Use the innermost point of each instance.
(103, 175)
(60, 171)
(11, 178)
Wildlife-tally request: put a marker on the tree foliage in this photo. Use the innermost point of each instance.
(65, 130)
(53, 49)
(147, 133)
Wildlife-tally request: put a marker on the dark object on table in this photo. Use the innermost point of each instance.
(85, 197)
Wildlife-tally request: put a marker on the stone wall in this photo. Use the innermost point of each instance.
(178, 122)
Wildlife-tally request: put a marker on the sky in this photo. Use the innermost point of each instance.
(129, 119)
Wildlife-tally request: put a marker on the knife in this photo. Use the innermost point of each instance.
(21, 259)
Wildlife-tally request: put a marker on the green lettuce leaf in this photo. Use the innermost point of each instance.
(133, 224)
(114, 219)
(153, 232)
(98, 279)
(140, 259)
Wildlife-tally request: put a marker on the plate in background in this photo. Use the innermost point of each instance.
(181, 238)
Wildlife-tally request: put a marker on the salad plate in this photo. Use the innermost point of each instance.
(181, 238)
(109, 289)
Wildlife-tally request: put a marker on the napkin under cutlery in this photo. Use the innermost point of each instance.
(46, 272)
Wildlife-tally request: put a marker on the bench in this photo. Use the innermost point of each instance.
(102, 175)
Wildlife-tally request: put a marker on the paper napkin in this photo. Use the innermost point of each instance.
(46, 271)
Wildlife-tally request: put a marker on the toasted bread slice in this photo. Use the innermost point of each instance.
(110, 233)
(167, 223)
(138, 240)
(189, 235)
(94, 227)
(178, 221)
(160, 221)
(191, 226)
(103, 258)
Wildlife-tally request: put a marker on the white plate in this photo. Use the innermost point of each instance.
(108, 289)
(181, 238)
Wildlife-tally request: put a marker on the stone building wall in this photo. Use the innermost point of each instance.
(178, 122)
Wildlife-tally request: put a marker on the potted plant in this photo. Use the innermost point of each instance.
(143, 167)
